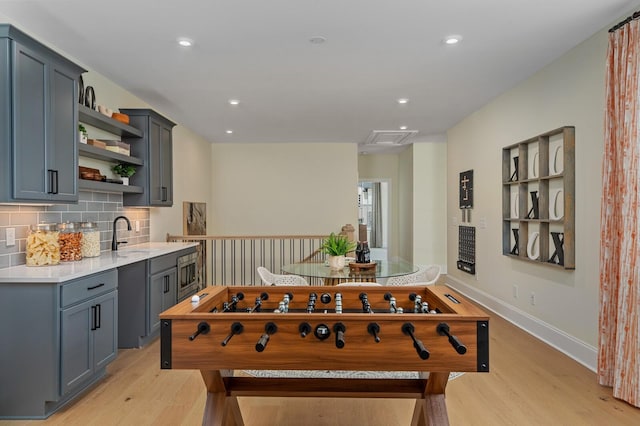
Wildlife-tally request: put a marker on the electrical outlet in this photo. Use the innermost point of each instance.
(10, 234)
(515, 291)
(532, 298)
(137, 226)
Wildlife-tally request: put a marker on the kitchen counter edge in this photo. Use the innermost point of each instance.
(66, 271)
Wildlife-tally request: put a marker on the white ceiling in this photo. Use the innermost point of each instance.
(291, 90)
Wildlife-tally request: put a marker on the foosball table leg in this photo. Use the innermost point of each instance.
(220, 409)
(431, 409)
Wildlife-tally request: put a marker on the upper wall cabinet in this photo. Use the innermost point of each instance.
(156, 148)
(538, 203)
(38, 121)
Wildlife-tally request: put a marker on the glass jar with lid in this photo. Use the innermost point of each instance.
(90, 245)
(42, 245)
(70, 240)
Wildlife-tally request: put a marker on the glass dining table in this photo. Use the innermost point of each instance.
(382, 269)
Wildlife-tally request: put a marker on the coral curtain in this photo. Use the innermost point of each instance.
(618, 340)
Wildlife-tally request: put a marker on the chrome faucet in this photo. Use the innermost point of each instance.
(114, 240)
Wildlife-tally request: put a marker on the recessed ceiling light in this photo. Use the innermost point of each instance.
(185, 42)
(403, 127)
(233, 102)
(317, 40)
(229, 132)
(403, 100)
(452, 39)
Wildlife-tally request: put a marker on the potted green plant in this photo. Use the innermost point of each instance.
(125, 171)
(337, 247)
(82, 131)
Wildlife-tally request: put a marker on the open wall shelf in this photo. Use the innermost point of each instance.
(538, 201)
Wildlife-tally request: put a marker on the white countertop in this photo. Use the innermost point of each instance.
(71, 270)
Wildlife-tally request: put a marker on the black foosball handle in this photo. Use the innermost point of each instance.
(236, 328)
(443, 330)
(373, 328)
(304, 328)
(269, 328)
(203, 328)
(339, 328)
(408, 329)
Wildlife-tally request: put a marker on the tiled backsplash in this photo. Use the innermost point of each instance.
(93, 207)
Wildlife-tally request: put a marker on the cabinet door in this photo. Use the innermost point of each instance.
(62, 145)
(167, 165)
(156, 189)
(31, 179)
(105, 335)
(76, 344)
(162, 294)
(170, 294)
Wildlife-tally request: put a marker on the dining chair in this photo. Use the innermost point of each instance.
(269, 278)
(428, 275)
(424, 276)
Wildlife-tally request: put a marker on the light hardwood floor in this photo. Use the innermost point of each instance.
(530, 383)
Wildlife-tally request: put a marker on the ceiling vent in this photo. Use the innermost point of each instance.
(390, 137)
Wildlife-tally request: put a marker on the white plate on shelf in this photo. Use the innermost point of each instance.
(556, 206)
(558, 161)
(533, 246)
(515, 206)
(534, 165)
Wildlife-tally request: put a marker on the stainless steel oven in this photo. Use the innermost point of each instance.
(187, 276)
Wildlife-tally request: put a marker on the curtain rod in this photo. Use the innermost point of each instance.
(636, 15)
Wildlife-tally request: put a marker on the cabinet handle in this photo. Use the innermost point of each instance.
(98, 316)
(93, 318)
(166, 283)
(95, 286)
(164, 193)
(53, 181)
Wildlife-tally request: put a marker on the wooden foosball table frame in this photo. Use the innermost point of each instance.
(202, 335)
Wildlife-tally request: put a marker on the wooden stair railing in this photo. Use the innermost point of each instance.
(233, 260)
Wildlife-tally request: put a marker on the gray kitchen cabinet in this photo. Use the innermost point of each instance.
(132, 304)
(49, 353)
(89, 339)
(155, 176)
(38, 121)
(163, 295)
(146, 289)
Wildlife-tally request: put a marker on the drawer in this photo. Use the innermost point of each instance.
(88, 287)
(161, 263)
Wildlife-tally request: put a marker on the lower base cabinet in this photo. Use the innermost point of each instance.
(146, 289)
(89, 339)
(162, 296)
(57, 339)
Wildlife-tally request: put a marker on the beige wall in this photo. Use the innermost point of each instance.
(283, 188)
(418, 186)
(430, 204)
(405, 204)
(570, 91)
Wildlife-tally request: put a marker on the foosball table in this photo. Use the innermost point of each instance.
(431, 330)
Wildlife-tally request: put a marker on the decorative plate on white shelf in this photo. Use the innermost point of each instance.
(533, 246)
(556, 206)
(534, 165)
(515, 206)
(558, 161)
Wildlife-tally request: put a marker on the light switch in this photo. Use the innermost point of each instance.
(11, 237)
(137, 226)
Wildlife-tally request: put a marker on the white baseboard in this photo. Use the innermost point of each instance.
(578, 350)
